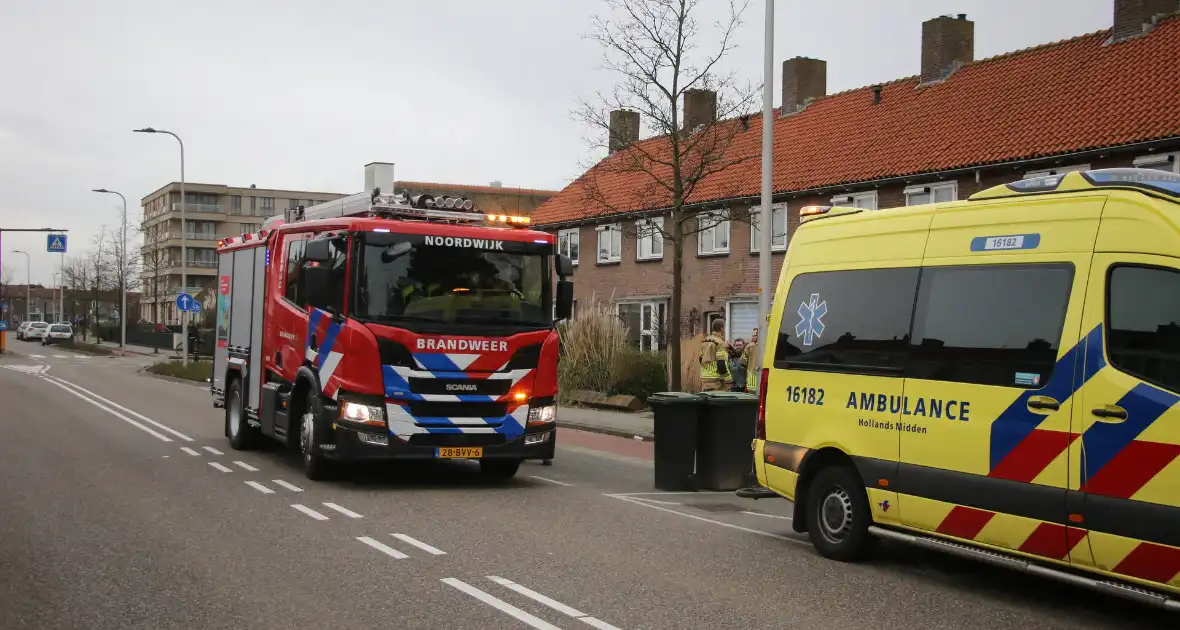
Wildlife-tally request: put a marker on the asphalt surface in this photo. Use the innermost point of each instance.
(133, 512)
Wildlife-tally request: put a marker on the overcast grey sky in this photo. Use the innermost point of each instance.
(300, 94)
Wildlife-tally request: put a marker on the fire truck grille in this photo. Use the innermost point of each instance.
(424, 409)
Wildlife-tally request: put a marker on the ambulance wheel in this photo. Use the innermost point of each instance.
(242, 436)
(315, 466)
(838, 515)
(499, 468)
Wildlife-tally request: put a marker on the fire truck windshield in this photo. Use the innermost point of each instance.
(403, 279)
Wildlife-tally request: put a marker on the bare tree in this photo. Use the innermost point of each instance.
(655, 49)
(154, 262)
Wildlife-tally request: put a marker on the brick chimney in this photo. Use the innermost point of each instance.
(1133, 18)
(700, 108)
(947, 43)
(624, 129)
(803, 78)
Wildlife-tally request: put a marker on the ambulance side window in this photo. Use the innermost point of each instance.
(990, 324)
(294, 268)
(1143, 323)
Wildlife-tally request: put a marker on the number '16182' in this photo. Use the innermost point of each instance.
(805, 395)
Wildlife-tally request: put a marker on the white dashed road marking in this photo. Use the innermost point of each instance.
(259, 487)
(60, 356)
(245, 466)
(37, 356)
(421, 545)
(310, 512)
(552, 603)
(499, 604)
(220, 467)
(212, 450)
(343, 510)
(284, 484)
(383, 548)
(190, 451)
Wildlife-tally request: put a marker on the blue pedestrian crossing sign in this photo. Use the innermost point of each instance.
(3, 324)
(187, 303)
(56, 244)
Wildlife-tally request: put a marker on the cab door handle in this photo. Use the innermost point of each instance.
(1042, 403)
(1110, 413)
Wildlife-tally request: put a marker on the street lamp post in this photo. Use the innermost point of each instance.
(183, 242)
(766, 218)
(55, 276)
(28, 279)
(123, 269)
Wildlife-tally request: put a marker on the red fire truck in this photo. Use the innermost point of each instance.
(387, 325)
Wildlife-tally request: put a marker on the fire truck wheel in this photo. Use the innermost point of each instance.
(499, 468)
(242, 437)
(315, 466)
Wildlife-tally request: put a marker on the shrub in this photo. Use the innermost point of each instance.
(690, 367)
(639, 373)
(589, 345)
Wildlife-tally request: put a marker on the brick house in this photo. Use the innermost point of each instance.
(1105, 99)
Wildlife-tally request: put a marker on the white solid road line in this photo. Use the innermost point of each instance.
(419, 544)
(162, 427)
(343, 510)
(560, 483)
(499, 604)
(633, 501)
(155, 434)
(220, 467)
(259, 487)
(382, 547)
(212, 450)
(646, 500)
(190, 451)
(291, 487)
(785, 518)
(552, 603)
(245, 466)
(310, 512)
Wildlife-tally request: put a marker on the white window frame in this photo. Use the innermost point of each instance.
(853, 200)
(613, 231)
(1059, 170)
(930, 189)
(719, 220)
(729, 316)
(1157, 158)
(776, 210)
(649, 235)
(571, 233)
(652, 333)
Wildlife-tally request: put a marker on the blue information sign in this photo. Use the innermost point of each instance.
(187, 304)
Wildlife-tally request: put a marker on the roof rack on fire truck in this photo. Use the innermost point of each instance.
(399, 204)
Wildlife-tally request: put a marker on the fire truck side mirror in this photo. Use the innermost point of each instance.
(565, 266)
(318, 250)
(565, 299)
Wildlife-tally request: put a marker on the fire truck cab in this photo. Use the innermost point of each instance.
(392, 326)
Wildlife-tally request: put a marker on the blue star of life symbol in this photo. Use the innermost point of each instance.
(811, 319)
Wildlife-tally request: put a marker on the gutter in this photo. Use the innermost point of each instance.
(915, 178)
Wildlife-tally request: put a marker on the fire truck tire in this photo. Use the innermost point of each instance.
(311, 435)
(242, 437)
(499, 468)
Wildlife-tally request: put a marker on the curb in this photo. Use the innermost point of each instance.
(171, 379)
(578, 426)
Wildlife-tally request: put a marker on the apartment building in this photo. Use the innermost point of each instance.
(961, 125)
(212, 211)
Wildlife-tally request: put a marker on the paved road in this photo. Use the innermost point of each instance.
(121, 506)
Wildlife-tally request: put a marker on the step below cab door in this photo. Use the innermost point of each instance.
(1128, 418)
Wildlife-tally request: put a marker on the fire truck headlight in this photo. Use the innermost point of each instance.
(362, 414)
(542, 415)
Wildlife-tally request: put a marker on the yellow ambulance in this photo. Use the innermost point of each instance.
(996, 378)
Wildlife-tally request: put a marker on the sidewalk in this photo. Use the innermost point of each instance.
(629, 425)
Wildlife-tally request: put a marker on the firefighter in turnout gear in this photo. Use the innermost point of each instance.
(752, 359)
(714, 360)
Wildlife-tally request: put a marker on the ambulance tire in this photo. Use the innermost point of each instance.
(316, 467)
(242, 436)
(838, 515)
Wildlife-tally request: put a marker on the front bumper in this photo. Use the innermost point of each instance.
(346, 443)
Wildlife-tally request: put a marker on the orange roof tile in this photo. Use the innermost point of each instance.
(1059, 98)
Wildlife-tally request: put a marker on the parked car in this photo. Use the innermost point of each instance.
(20, 330)
(36, 330)
(57, 332)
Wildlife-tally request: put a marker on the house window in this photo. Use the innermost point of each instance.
(1060, 170)
(644, 322)
(933, 193)
(865, 201)
(741, 320)
(235, 204)
(778, 228)
(267, 206)
(1167, 162)
(568, 244)
(649, 239)
(250, 228)
(610, 243)
(713, 237)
